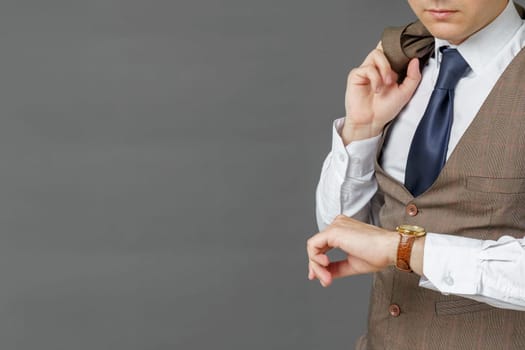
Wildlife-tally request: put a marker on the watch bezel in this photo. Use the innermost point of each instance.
(411, 230)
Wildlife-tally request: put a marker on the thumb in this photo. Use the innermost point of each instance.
(412, 79)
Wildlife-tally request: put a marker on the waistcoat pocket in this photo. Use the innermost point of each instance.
(460, 306)
(496, 185)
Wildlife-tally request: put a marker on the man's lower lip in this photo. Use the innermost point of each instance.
(441, 14)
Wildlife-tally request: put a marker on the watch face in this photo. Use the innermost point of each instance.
(411, 230)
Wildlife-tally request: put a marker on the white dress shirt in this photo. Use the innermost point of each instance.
(489, 271)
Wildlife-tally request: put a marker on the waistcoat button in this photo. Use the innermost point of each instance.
(394, 310)
(411, 209)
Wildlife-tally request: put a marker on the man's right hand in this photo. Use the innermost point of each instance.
(373, 97)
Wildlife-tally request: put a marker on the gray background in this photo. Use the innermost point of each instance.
(159, 161)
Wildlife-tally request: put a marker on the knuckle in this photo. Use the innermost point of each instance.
(351, 73)
(379, 52)
(370, 70)
(309, 242)
(373, 55)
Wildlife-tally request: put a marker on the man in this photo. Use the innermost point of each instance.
(440, 152)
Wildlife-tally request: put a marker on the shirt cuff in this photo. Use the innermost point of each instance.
(358, 157)
(452, 264)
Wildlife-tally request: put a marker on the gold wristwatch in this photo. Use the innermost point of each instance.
(408, 235)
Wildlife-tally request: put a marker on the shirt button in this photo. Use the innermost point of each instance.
(342, 157)
(411, 209)
(448, 280)
(394, 310)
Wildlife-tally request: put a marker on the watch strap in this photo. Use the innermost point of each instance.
(404, 252)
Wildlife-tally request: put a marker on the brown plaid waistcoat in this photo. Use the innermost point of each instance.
(480, 193)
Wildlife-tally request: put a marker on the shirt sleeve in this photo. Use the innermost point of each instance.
(488, 271)
(347, 183)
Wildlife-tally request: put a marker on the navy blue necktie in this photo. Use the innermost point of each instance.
(428, 151)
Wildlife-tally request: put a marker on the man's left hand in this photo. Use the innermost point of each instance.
(368, 248)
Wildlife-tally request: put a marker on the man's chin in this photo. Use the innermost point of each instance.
(448, 32)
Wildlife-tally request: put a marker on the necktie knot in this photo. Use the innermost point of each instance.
(453, 67)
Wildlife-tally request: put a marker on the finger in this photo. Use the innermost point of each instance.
(378, 59)
(412, 79)
(321, 273)
(321, 259)
(311, 272)
(367, 75)
(317, 244)
(349, 267)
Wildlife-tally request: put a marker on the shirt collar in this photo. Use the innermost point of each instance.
(492, 38)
